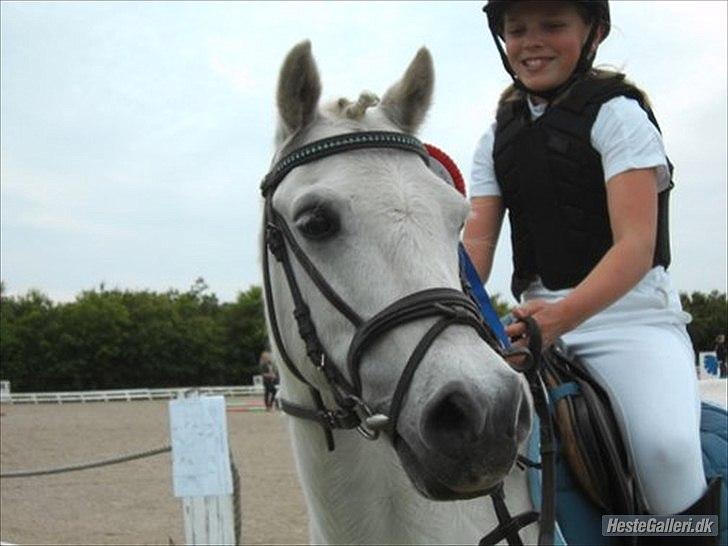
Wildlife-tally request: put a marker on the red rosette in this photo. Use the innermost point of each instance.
(449, 165)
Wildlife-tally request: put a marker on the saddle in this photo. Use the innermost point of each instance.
(589, 437)
(579, 516)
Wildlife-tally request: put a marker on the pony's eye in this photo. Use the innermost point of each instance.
(317, 223)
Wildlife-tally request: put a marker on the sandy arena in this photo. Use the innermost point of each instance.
(132, 502)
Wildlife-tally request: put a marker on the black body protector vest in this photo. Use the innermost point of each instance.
(553, 186)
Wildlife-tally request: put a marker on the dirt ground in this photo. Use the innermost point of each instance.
(132, 502)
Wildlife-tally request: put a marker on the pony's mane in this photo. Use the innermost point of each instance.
(344, 108)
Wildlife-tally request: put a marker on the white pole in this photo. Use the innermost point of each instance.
(201, 468)
(5, 391)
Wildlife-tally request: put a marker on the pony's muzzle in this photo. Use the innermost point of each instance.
(465, 439)
(462, 421)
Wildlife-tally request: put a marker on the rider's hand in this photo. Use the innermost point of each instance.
(550, 317)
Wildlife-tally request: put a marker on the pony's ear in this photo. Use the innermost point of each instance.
(299, 89)
(407, 101)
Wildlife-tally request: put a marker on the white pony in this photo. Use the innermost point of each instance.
(379, 225)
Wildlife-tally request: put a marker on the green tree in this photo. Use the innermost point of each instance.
(10, 367)
(152, 338)
(245, 335)
(117, 339)
(91, 340)
(27, 338)
(710, 317)
(198, 353)
(502, 308)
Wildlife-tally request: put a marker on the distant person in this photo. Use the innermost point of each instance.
(720, 354)
(270, 379)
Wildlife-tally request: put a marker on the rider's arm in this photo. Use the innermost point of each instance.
(482, 228)
(636, 170)
(486, 207)
(632, 202)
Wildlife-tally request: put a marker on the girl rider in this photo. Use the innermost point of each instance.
(576, 157)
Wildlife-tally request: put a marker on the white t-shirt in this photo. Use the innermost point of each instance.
(622, 134)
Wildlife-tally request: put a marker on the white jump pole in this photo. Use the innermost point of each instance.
(201, 468)
(5, 392)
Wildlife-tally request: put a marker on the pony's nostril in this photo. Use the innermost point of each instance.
(452, 423)
(450, 413)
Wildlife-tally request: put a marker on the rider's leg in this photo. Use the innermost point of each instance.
(649, 375)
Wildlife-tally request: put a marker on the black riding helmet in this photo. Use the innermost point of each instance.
(597, 11)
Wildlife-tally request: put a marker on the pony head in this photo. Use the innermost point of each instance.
(379, 225)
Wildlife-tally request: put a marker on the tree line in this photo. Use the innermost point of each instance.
(710, 318)
(121, 339)
(114, 339)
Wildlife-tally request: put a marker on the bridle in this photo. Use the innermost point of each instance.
(450, 306)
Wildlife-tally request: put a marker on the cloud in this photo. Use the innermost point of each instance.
(135, 135)
(238, 77)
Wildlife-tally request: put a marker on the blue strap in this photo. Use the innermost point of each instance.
(565, 389)
(481, 296)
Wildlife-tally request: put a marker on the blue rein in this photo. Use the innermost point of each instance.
(481, 296)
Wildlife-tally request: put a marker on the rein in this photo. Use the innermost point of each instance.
(450, 305)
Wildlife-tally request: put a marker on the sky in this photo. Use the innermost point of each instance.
(133, 136)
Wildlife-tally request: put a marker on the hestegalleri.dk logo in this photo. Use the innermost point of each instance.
(625, 525)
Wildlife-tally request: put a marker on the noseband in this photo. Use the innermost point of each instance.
(450, 305)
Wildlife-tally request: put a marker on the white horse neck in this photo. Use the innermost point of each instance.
(359, 494)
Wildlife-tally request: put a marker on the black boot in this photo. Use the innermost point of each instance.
(708, 504)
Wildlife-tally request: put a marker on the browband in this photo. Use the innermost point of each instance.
(340, 143)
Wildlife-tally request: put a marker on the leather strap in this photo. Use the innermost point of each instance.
(279, 238)
(426, 303)
(318, 279)
(337, 144)
(415, 359)
(452, 306)
(508, 526)
(547, 517)
(327, 418)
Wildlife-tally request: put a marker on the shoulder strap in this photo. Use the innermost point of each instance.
(576, 112)
(589, 94)
(509, 120)
(591, 90)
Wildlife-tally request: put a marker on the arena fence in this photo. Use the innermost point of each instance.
(124, 395)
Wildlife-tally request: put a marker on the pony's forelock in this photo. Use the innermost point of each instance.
(346, 109)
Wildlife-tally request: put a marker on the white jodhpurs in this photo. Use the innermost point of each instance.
(638, 350)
